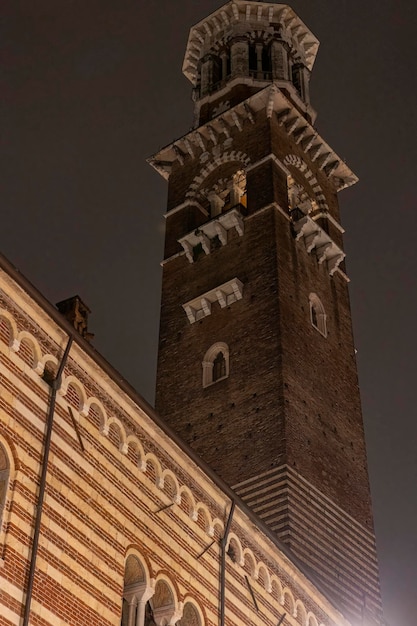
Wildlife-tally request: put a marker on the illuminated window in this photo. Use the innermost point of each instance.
(317, 314)
(216, 364)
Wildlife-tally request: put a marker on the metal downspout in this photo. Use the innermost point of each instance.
(223, 544)
(56, 384)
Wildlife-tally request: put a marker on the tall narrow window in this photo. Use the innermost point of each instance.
(215, 364)
(219, 367)
(4, 479)
(317, 314)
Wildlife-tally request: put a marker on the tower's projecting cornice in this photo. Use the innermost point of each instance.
(273, 100)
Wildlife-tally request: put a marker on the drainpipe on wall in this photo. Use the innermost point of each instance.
(55, 386)
(223, 545)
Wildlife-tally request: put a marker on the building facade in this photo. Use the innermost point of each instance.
(111, 514)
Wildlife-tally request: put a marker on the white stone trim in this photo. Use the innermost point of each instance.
(225, 294)
(318, 317)
(216, 227)
(315, 238)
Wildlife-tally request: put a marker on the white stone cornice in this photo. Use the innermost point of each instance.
(271, 99)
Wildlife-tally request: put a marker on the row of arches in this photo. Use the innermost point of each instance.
(154, 601)
(148, 464)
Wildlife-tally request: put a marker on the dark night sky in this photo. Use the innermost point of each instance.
(91, 88)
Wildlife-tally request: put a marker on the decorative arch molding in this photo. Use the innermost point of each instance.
(136, 552)
(193, 614)
(225, 157)
(170, 481)
(262, 574)
(234, 549)
(24, 336)
(298, 163)
(94, 403)
(8, 318)
(167, 610)
(288, 601)
(152, 460)
(249, 562)
(300, 613)
(133, 442)
(114, 421)
(74, 382)
(186, 495)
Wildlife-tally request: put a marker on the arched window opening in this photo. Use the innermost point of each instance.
(219, 367)
(215, 364)
(190, 616)
(4, 480)
(317, 314)
(228, 194)
(136, 607)
(299, 201)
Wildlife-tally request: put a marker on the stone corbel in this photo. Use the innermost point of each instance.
(205, 242)
(221, 232)
(188, 249)
(310, 240)
(322, 252)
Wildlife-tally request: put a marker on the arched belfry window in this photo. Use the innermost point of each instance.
(317, 314)
(4, 479)
(228, 194)
(215, 364)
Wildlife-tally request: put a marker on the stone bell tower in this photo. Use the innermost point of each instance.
(256, 366)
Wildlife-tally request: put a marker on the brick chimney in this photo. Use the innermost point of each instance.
(76, 313)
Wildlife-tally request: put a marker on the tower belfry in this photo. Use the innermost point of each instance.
(256, 366)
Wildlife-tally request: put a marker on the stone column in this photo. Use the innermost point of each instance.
(279, 58)
(206, 74)
(239, 52)
(259, 49)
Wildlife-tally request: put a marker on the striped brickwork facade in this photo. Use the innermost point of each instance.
(117, 485)
(318, 531)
